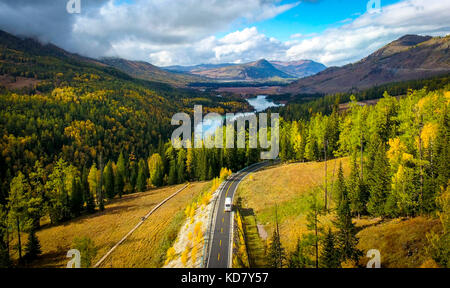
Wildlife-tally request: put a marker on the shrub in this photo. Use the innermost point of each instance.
(87, 250)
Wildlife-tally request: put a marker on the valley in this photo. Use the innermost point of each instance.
(87, 152)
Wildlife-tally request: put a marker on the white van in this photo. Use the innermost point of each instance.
(228, 204)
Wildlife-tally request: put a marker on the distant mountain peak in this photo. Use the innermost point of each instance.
(262, 62)
(410, 57)
(410, 40)
(299, 68)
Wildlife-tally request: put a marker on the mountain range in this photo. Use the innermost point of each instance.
(146, 71)
(410, 57)
(258, 70)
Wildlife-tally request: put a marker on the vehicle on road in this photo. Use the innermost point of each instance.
(228, 204)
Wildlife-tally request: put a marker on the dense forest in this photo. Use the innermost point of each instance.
(400, 167)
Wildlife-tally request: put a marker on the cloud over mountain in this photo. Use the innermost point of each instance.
(185, 32)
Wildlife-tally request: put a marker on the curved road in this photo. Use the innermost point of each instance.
(219, 253)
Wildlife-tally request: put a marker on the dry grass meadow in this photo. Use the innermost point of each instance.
(402, 242)
(146, 247)
(286, 186)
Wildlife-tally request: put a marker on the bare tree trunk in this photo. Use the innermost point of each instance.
(278, 233)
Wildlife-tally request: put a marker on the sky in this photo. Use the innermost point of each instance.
(190, 32)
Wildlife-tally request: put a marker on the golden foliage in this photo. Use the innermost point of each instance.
(429, 133)
(185, 256)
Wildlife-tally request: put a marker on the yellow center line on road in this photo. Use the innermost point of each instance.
(220, 243)
(218, 257)
(223, 219)
(221, 230)
(226, 194)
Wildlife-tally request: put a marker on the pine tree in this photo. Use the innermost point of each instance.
(379, 181)
(134, 175)
(109, 180)
(37, 183)
(4, 245)
(203, 164)
(330, 257)
(100, 194)
(356, 193)
(17, 207)
(300, 257)
(33, 247)
(190, 164)
(76, 198)
(93, 180)
(312, 217)
(90, 202)
(284, 153)
(442, 151)
(346, 235)
(172, 173)
(156, 169)
(87, 196)
(141, 180)
(181, 159)
(58, 186)
(119, 179)
(276, 255)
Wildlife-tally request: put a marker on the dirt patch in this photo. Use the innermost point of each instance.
(262, 232)
(11, 82)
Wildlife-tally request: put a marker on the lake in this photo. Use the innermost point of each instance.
(261, 103)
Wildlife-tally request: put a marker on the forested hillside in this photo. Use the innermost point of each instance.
(378, 179)
(410, 57)
(400, 167)
(399, 147)
(64, 117)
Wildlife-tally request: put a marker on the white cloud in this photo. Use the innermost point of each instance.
(296, 35)
(369, 32)
(335, 46)
(181, 32)
(237, 47)
(136, 29)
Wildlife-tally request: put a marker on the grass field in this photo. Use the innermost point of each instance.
(286, 186)
(144, 248)
(401, 242)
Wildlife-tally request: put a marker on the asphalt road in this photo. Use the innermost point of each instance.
(220, 247)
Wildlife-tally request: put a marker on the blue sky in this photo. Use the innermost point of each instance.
(189, 32)
(307, 17)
